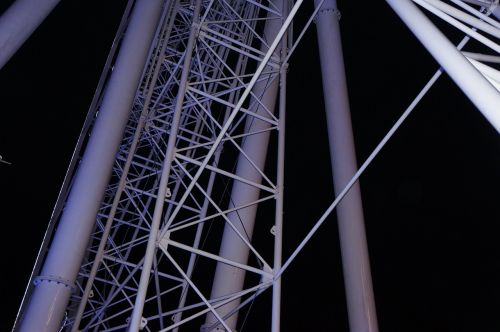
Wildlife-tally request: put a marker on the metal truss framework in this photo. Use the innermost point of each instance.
(214, 85)
(203, 61)
(222, 52)
(158, 227)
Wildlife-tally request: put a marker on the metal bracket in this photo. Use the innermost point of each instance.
(273, 230)
(267, 278)
(163, 242)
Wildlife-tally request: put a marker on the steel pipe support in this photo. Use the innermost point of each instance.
(475, 86)
(48, 302)
(355, 260)
(229, 279)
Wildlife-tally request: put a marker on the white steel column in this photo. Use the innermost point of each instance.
(18, 23)
(462, 72)
(280, 174)
(51, 294)
(355, 260)
(229, 279)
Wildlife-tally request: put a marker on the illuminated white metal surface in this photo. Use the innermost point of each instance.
(18, 23)
(225, 68)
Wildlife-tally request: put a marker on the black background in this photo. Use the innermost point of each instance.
(430, 198)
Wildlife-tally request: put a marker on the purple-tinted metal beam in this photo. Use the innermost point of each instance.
(475, 86)
(50, 297)
(18, 23)
(356, 264)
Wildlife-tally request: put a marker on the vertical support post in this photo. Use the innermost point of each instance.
(162, 190)
(356, 265)
(475, 86)
(229, 279)
(18, 23)
(280, 175)
(50, 297)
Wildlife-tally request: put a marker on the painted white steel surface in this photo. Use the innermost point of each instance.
(356, 264)
(49, 300)
(228, 279)
(18, 23)
(162, 190)
(477, 88)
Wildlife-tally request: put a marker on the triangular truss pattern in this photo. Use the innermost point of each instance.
(229, 45)
(189, 109)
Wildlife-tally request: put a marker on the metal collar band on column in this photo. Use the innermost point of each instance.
(335, 11)
(58, 280)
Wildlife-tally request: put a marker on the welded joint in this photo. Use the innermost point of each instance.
(268, 277)
(285, 65)
(176, 317)
(142, 324)
(201, 34)
(58, 280)
(274, 64)
(197, 29)
(163, 242)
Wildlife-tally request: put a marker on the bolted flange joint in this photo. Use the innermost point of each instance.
(66, 283)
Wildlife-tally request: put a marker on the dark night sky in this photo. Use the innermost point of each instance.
(430, 198)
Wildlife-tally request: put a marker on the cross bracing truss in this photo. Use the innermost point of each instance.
(227, 44)
(190, 109)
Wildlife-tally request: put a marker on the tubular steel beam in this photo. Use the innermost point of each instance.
(355, 261)
(51, 295)
(228, 279)
(462, 72)
(18, 23)
(280, 184)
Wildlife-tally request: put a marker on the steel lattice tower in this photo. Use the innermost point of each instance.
(156, 215)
